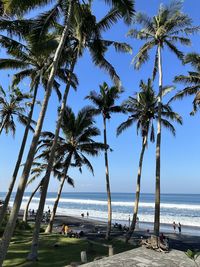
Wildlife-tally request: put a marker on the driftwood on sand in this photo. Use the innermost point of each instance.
(156, 243)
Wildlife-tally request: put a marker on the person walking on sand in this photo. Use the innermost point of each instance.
(174, 226)
(179, 228)
(87, 214)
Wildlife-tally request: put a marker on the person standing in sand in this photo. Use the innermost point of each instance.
(174, 226)
(179, 228)
(67, 229)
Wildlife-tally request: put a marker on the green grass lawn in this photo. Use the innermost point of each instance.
(67, 251)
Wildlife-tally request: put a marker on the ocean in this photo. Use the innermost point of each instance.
(183, 208)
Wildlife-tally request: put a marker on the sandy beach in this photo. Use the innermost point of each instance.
(95, 229)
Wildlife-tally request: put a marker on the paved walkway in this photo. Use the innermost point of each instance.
(142, 257)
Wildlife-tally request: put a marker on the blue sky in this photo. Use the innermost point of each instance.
(180, 155)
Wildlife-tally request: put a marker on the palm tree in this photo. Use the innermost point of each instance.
(165, 29)
(12, 107)
(105, 105)
(124, 7)
(37, 170)
(143, 109)
(87, 33)
(9, 109)
(32, 65)
(192, 80)
(77, 142)
(126, 11)
(78, 133)
(23, 180)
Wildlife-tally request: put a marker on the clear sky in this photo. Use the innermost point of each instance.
(179, 156)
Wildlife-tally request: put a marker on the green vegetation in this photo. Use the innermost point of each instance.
(55, 250)
(193, 255)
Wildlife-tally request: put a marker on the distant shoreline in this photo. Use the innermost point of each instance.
(92, 192)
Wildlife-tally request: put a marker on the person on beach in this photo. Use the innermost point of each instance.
(129, 221)
(162, 237)
(137, 222)
(46, 217)
(63, 229)
(49, 211)
(179, 228)
(67, 229)
(33, 212)
(87, 214)
(174, 226)
(82, 215)
(30, 212)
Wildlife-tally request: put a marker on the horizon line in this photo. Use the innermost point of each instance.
(103, 192)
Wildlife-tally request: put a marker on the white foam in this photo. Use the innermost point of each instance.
(168, 219)
(121, 203)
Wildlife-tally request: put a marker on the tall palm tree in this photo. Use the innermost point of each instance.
(192, 80)
(168, 27)
(143, 109)
(12, 107)
(87, 34)
(105, 105)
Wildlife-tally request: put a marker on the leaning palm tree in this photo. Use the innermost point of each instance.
(25, 173)
(165, 29)
(12, 108)
(32, 62)
(192, 80)
(78, 133)
(143, 109)
(105, 105)
(85, 33)
(37, 170)
(76, 143)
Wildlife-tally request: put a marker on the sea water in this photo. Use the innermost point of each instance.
(183, 208)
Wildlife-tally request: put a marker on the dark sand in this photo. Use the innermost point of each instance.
(95, 229)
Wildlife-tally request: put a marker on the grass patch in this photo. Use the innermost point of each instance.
(67, 250)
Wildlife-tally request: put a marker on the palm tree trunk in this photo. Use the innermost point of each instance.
(19, 159)
(158, 144)
(53, 214)
(25, 215)
(137, 195)
(2, 126)
(23, 180)
(34, 247)
(107, 182)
